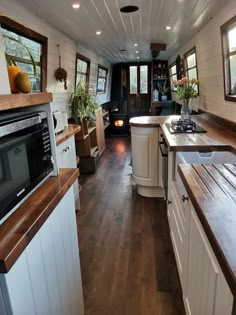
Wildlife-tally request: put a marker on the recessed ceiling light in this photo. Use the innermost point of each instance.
(135, 45)
(75, 5)
(138, 57)
(98, 33)
(168, 27)
(129, 9)
(137, 51)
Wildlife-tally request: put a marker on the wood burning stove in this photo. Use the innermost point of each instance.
(119, 124)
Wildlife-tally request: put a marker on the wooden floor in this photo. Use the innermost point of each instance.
(127, 261)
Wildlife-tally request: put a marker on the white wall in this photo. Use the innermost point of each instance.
(68, 48)
(95, 60)
(210, 66)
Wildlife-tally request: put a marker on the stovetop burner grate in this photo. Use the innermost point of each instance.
(184, 126)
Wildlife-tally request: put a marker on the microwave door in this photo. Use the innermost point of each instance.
(14, 171)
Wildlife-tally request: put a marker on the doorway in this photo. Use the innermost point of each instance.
(139, 89)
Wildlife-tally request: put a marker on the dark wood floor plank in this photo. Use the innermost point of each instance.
(124, 243)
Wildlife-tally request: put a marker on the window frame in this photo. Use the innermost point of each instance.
(106, 76)
(171, 75)
(186, 55)
(20, 29)
(225, 57)
(88, 61)
(138, 65)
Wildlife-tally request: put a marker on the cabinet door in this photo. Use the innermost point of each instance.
(205, 287)
(179, 215)
(144, 145)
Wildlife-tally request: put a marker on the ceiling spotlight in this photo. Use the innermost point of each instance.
(135, 45)
(129, 9)
(137, 51)
(75, 5)
(138, 57)
(98, 32)
(168, 27)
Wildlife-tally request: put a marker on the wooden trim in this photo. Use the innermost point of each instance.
(225, 58)
(20, 29)
(24, 100)
(19, 229)
(105, 88)
(88, 61)
(189, 53)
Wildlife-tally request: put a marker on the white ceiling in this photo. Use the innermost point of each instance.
(122, 30)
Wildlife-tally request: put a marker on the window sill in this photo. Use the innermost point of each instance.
(231, 98)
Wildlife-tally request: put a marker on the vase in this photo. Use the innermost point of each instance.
(185, 111)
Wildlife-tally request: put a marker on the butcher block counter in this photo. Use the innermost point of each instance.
(216, 138)
(212, 191)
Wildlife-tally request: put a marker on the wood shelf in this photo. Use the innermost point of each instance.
(93, 149)
(106, 125)
(18, 100)
(91, 129)
(105, 113)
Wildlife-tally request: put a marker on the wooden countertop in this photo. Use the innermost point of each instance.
(68, 132)
(212, 190)
(216, 138)
(18, 230)
(146, 121)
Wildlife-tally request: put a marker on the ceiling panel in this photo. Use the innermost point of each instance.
(122, 30)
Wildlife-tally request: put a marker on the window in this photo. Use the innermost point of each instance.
(82, 69)
(138, 79)
(102, 79)
(228, 33)
(191, 65)
(173, 75)
(16, 37)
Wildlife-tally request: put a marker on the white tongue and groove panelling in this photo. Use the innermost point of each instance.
(68, 49)
(210, 67)
(122, 30)
(67, 45)
(94, 61)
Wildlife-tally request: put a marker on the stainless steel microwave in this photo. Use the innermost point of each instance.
(25, 156)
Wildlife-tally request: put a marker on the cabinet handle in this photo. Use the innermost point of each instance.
(184, 198)
(66, 149)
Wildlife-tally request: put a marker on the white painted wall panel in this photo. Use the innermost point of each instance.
(68, 48)
(38, 279)
(15, 292)
(210, 67)
(49, 261)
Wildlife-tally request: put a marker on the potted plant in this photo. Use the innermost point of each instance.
(164, 90)
(83, 105)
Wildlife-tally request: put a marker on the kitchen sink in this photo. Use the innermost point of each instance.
(200, 158)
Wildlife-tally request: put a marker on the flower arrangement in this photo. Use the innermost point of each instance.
(186, 88)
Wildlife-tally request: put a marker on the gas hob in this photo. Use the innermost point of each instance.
(184, 126)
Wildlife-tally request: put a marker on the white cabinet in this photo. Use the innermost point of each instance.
(145, 157)
(207, 290)
(46, 278)
(179, 213)
(66, 158)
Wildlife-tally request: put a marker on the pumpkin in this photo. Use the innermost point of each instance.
(12, 72)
